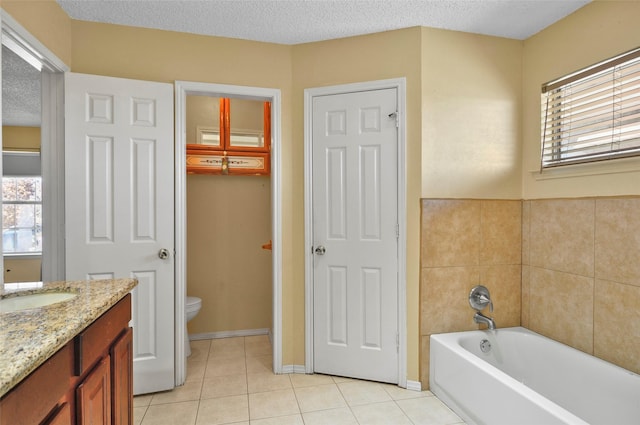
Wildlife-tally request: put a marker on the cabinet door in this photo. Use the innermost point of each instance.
(94, 396)
(62, 416)
(122, 379)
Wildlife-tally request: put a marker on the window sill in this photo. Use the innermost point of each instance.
(22, 256)
(613, 166)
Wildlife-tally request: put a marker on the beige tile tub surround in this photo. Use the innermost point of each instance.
(561, 235)
(581, 275)
(566, 268)
(554, 298)
(467, 243)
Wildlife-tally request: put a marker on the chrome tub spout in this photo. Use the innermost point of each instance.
(481, 318)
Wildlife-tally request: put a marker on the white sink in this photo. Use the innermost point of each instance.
(25, 302)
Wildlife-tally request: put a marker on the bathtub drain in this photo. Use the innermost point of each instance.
(485, 346)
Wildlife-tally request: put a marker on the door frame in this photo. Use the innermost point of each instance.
(309, 94)
(182, 89)
(24, 44)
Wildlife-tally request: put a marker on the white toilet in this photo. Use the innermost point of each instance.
(192, 308)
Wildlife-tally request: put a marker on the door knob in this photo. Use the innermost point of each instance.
(163, 254)
(320, 250)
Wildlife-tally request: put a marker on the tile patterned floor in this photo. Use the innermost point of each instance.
(229, 381)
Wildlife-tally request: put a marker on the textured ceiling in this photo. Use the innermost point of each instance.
(284, 22)
(20, 91)
(301, 21)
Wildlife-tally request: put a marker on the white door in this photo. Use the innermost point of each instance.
(355, 225)
(119, 205)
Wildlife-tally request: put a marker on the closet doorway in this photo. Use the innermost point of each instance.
(228, 217)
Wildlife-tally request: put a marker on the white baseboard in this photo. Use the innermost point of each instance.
(414, 385)
(293, 368)
(230, 334)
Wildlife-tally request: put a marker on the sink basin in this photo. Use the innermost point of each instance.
(25, 302)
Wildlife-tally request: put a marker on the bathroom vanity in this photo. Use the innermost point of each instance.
(70, 361)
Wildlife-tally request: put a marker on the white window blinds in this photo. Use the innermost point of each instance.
(593, 114)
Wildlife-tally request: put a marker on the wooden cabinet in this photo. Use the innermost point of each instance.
(232, 150)
(87, 382)
(121, 379)
(62, 416)
(94, 395)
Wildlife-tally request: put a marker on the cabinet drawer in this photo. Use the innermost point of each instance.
(94, 341)
(32, 400)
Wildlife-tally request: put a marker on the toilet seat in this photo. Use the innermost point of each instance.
(193, 303)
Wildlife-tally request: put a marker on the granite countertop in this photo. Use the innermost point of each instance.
(29, 337)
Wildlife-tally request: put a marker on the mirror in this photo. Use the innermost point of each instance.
(22, 200)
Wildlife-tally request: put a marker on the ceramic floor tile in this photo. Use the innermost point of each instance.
(341, 416)
(398, 393)
(195, 370)
(199, 350)
(299, 380)
(138, 414)
(172, 414)
(380, 414)
(363, 392)
(341, 379)
(280, 420)
(261, 382)
(273, 403)
(319, 397)
(142, 400)
(225, 366)
(188, 392)
(259, 345)
(259, 364)
(223, 410)
(226, 348)
(221, 386)
(428, 411)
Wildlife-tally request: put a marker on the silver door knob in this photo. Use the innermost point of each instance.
(320, 250)
(163, 254)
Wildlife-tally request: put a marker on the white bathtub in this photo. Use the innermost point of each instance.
(527, 378)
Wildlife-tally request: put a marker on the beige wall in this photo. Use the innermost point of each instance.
(467, 243)
(372, 57)
(46, 21)
(471, 97)
(581, 276)
(598, 31)
(21, 138)
(22, 269)
(228, 221)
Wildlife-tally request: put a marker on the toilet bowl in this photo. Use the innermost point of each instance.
(192, 308)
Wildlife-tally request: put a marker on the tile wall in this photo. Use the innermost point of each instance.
(581, 275)
(566, 268)
(465, 243)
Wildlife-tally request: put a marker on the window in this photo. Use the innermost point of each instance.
(593, 114)
(22, 215)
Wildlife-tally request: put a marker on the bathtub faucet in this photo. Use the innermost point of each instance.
(481, 318)
(479, 298)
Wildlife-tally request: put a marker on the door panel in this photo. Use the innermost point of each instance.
(355, 235)
(120, 203)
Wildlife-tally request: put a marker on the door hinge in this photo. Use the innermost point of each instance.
(397, 342)
(395, 115)
(397, 231)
